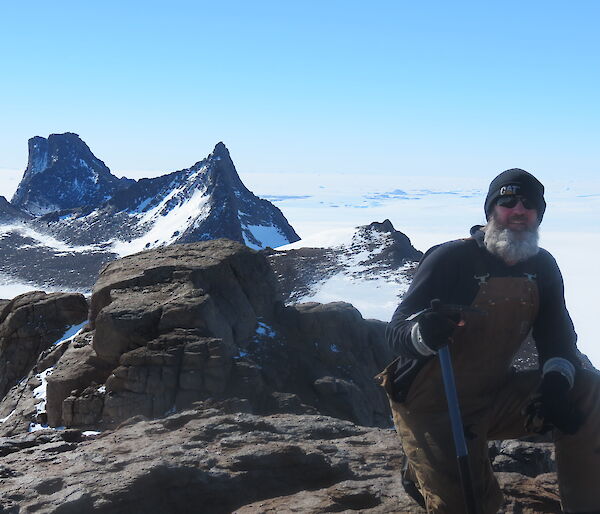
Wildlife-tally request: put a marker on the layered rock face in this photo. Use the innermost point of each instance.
(29, 325)
(205, 320)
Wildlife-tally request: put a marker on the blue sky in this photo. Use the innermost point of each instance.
(453, 88)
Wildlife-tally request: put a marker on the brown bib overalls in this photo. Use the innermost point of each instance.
(492, 397)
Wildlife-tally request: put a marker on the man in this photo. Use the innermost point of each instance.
(514, 289)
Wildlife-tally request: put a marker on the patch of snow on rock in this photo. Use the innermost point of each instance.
(71, 332)
(266, 235)
(2, 420)
(166, 226)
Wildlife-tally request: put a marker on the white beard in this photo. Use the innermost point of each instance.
(511, 246)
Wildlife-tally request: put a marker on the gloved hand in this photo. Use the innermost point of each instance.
(436, 325)
(550, 407)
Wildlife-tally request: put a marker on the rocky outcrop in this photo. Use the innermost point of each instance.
(218, 458)
(205, 320)
(30, 324)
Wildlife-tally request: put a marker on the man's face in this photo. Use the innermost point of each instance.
(517, 218)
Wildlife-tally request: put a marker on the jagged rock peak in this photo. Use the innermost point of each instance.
(220, 150)
(63, 173)
(394, 246)
(385, 226)
(67, 147)
(224, 166)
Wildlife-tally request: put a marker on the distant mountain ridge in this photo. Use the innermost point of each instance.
(376, 253)
(203, 202)
(63, 173)
(70, 215)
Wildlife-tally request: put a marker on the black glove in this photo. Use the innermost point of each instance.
(550, 407)
(436, 327)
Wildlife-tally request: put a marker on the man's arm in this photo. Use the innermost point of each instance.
(433, 279)
(553, 330)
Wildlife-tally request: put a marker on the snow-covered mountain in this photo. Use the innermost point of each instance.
(70, 215)
(63, 173)
(205, 201)
(373, 267)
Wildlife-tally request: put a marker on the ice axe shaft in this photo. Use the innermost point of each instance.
(458, 433)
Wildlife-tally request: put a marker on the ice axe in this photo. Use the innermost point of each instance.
(460, 444)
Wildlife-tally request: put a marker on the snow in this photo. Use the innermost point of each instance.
(326, 238)
(266, 235)
(165, 227)
(39, 162)
(375, 299)
(2, 420)
(265, 330)
(71, 332)
(142, 206)
(44, 240)
(40, 391)
(34, 427)
(10, 288)
(374, 293)
(84, 164)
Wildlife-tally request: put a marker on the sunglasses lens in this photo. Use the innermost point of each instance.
(527, 204)
(507, 201)
(511, 201)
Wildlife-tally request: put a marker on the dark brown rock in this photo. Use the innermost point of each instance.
(335, 352)
(524, 457)
(204, 320)
(21, 407)
(75, 371)
(222, 462)
(29, 324)
(223, 279)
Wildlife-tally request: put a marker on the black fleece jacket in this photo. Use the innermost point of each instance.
(446, 272)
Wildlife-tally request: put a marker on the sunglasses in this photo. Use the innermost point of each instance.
(512, 200)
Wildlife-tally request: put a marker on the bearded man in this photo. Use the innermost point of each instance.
(515, 290)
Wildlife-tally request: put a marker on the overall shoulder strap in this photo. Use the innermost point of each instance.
(480, 267)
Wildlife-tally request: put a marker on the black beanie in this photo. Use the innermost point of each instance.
(516, 182)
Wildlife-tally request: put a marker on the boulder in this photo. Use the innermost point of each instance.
(25, 403)
(30, 324)
(525, 457)
(217, 287)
